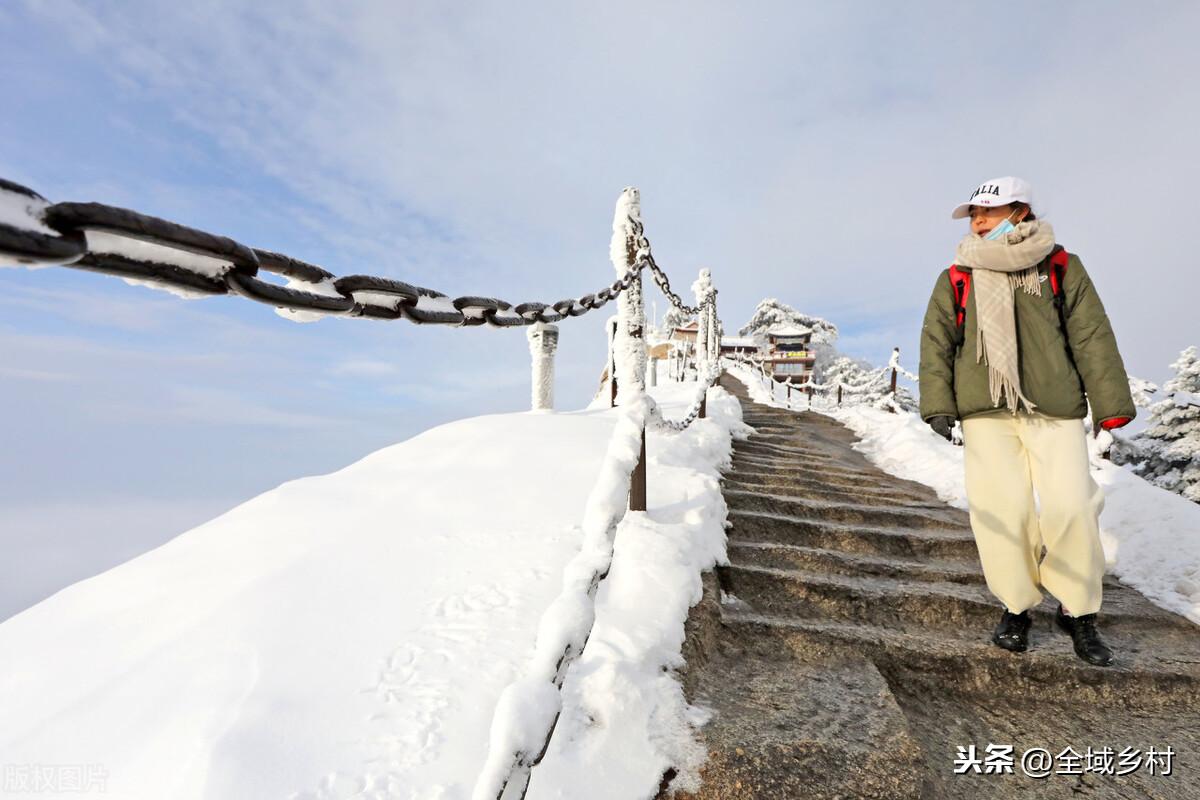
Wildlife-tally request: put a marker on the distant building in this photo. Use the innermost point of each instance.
(686, 333)
(739, 345)
(789, 357)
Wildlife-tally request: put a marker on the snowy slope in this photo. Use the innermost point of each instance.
(348, 635)
(1151, 537)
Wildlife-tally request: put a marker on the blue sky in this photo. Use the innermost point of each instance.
(806, 151)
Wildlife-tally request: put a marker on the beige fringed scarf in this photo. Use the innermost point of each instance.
(999, 267)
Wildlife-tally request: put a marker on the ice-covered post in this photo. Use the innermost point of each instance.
(543, 341)
(612, 362)
(701, 288)
(895, 364)
(629, 344)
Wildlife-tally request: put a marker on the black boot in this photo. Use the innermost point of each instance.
(1012, 632)
(1088, 644)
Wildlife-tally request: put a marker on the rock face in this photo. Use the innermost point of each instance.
(846, 650)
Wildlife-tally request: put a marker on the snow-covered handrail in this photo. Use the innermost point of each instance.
(894, 364)
(694, 410)
(874, 378)
(528, 708)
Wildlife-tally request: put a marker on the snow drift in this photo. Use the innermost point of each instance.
(349, 635)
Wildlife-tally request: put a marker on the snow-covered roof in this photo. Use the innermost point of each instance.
(788, 330)
(738, 341)
(691, 326)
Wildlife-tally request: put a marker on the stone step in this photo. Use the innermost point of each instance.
(850, 475)
(821, 490)
(789, 556)
(846, 481)
(969, 664)
(761, 446)
(855, 481)
(849, 513)
(785, 727)
(801, 484)
(944, 543)
(933, 607)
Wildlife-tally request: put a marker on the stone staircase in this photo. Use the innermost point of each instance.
(845, 651)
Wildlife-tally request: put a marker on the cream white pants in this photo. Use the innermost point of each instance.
(1006, 459)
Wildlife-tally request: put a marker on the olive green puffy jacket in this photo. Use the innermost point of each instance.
(952, 383)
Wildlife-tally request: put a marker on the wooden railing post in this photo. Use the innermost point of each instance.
(892, 407)
(629, 345)
(637, 480)
(612, 365)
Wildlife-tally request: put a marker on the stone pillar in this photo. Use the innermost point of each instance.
(543, 342)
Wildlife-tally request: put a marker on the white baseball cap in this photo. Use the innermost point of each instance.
(996, 192)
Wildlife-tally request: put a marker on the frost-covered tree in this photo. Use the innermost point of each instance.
(771, 312)
(674, 318)
(1143, 391)
(1167, 453)
(846, 370)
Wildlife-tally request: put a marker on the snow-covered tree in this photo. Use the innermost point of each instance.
(674, 318)
(1143, 391)
(846, 370)
(1167, 453)
(771, 312)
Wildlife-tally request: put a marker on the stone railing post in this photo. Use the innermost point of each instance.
(543, 342)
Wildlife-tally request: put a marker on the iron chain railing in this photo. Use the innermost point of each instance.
(57, 234)
(696, 410)
(644, 255)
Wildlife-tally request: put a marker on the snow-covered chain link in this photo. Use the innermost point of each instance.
(645, 257)
(655, 413)
(194, 263)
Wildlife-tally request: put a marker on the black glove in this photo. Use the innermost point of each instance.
(941, 425)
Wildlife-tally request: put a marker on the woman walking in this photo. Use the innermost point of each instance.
(1016, 343)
